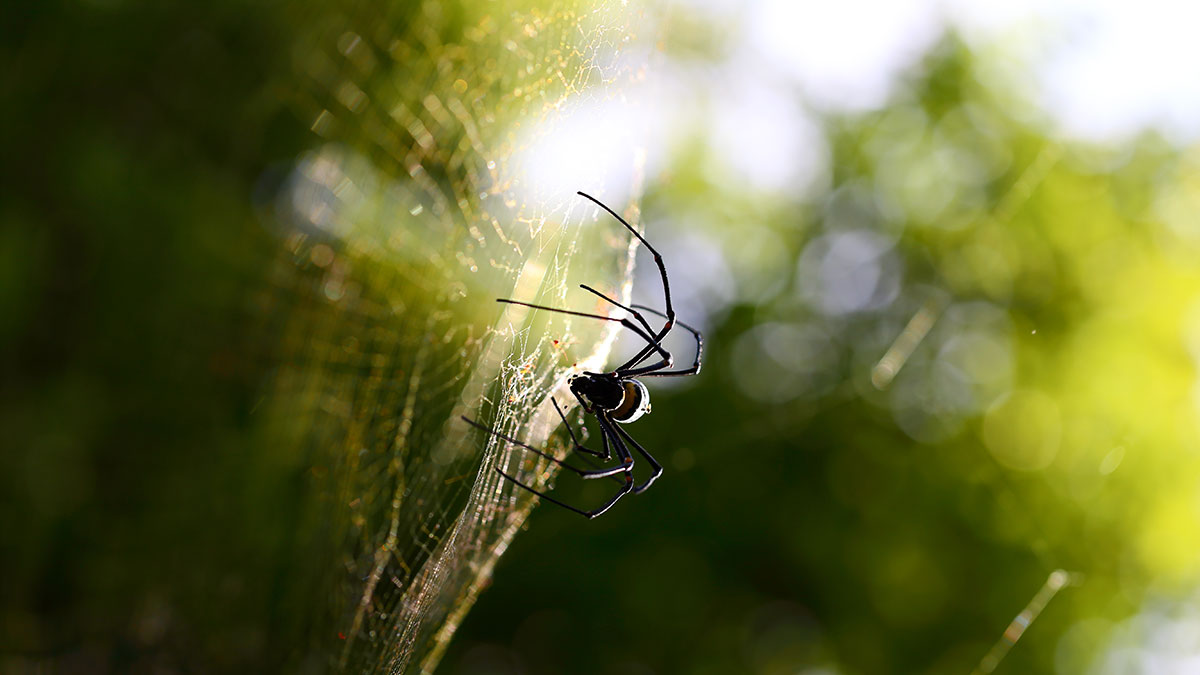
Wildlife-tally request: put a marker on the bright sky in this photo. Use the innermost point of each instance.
(1099, 70)
(1094, 70)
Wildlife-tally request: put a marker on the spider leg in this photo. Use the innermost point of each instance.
(657, 469)
(636, 314)
(607, 428)
(593, 463)
(648, 349)
(625, 489)
(606, 455)
(626, 468)
(662, 269)
(653, 343)
(695, 368)
(585, 514)
(582, 403)
(583, 473)
(575, 441)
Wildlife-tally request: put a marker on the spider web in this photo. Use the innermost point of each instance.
(413, 212)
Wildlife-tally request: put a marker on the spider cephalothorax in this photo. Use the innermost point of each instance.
(616, 397)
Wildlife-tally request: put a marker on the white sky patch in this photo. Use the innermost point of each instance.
(845, 55)
(782, 149)
(1163, 638)
(585, 145)
(848, 271)
(978, 20)
(1123, 66)
(1100, 69)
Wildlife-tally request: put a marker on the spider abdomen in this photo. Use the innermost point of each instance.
(634, 404)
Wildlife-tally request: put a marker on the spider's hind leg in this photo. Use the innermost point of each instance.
(625, 489)
(606, 455)
(656, 469)
(610, 436)
(583, 473)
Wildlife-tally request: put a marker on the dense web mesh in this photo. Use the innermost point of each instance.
(412, 214)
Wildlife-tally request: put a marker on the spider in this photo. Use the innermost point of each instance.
(615, 397)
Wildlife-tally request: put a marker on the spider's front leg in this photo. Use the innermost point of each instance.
(652, 343)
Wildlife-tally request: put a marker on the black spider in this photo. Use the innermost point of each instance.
(615, 397)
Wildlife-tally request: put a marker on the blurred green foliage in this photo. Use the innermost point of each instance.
(810, 519)
(154, 516)
(134, 134)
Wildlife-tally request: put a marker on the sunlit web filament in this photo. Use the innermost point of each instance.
(897, 355)
(1014, 631)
